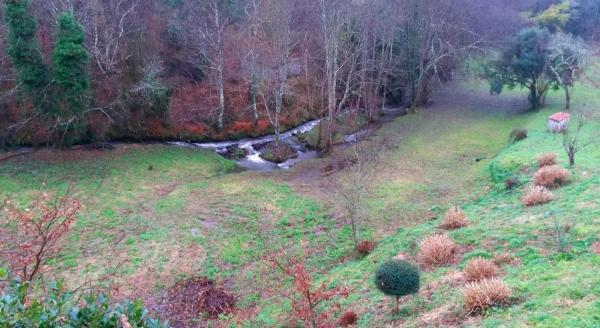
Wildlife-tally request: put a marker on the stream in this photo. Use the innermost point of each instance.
(254, 148)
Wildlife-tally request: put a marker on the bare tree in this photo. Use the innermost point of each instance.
(572, 141)
(251, 54)
(331, 17)
(281, 39)
(208, 19)
(108, 26)
(567, 60)
(353, 187)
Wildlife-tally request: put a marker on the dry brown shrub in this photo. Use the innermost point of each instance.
(436, 250)
(551, 176)
(546, 159)
(478, 269)
(536, 195)
(479, 296)
(455, 218)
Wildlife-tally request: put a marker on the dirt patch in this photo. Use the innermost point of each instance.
(164, 191)
(444, 316)
(188, 302)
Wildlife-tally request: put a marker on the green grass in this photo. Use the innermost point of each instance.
(155, 214)
(553, 289)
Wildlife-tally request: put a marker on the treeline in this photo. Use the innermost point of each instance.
(91, 70)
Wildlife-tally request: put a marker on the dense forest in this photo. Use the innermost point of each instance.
(89, 71)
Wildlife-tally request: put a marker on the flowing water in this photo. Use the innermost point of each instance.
(253, 161)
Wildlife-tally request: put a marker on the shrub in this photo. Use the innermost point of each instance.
(54, 309)
(348, 318)
(511, 182)
(478, 269)
(547, 159)
(455, 218)
(397, 278)
(479, 296)
(536, 195)
(551, 176)
(365, 247)
(518, 135)
(436, 250)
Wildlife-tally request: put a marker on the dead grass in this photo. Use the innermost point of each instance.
(536, 195)
(551, 176)
(547, 159)
(436, 250)
(479, 296)
(478, 269)
(455, 218)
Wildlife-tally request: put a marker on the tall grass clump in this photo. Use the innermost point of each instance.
(436, 250)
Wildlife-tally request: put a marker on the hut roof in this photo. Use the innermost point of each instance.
(560, 117)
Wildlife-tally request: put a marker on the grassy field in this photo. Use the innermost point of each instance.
(156, 214)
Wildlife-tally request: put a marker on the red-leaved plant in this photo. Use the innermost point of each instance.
(306, 296)
(32, 237)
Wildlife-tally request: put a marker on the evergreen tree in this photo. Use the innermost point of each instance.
(25, 53)
(524, 64)
(70, 61)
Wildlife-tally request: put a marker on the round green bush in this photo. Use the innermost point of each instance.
(397, 278)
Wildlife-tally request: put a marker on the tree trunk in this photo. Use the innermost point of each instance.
(534, 98)
(571, 155)
(567, 98)
(221, 90)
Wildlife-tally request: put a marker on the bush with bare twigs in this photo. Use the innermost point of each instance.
(455, 218)
(536, 195)
(307, 296)
(436, 250)
(38, 233)
(478, 269)
(547, 159)
(551, 176)
(479, 296)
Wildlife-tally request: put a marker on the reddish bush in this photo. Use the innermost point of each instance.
(38, 233)
(518, 135)
(455, 218)
(241, 127)
(348, 318)
(365, 247)
(511, 183)
(306, 297)
(479, 296)
(478, 269)
(595, 247)
(547, 159)
(551, 176)
(436, 250)
(262, 126)
(536, 195)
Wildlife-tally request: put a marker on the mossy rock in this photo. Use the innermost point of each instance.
(280, 154)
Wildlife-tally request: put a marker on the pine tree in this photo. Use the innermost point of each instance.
(25, 53)
(70, 61)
